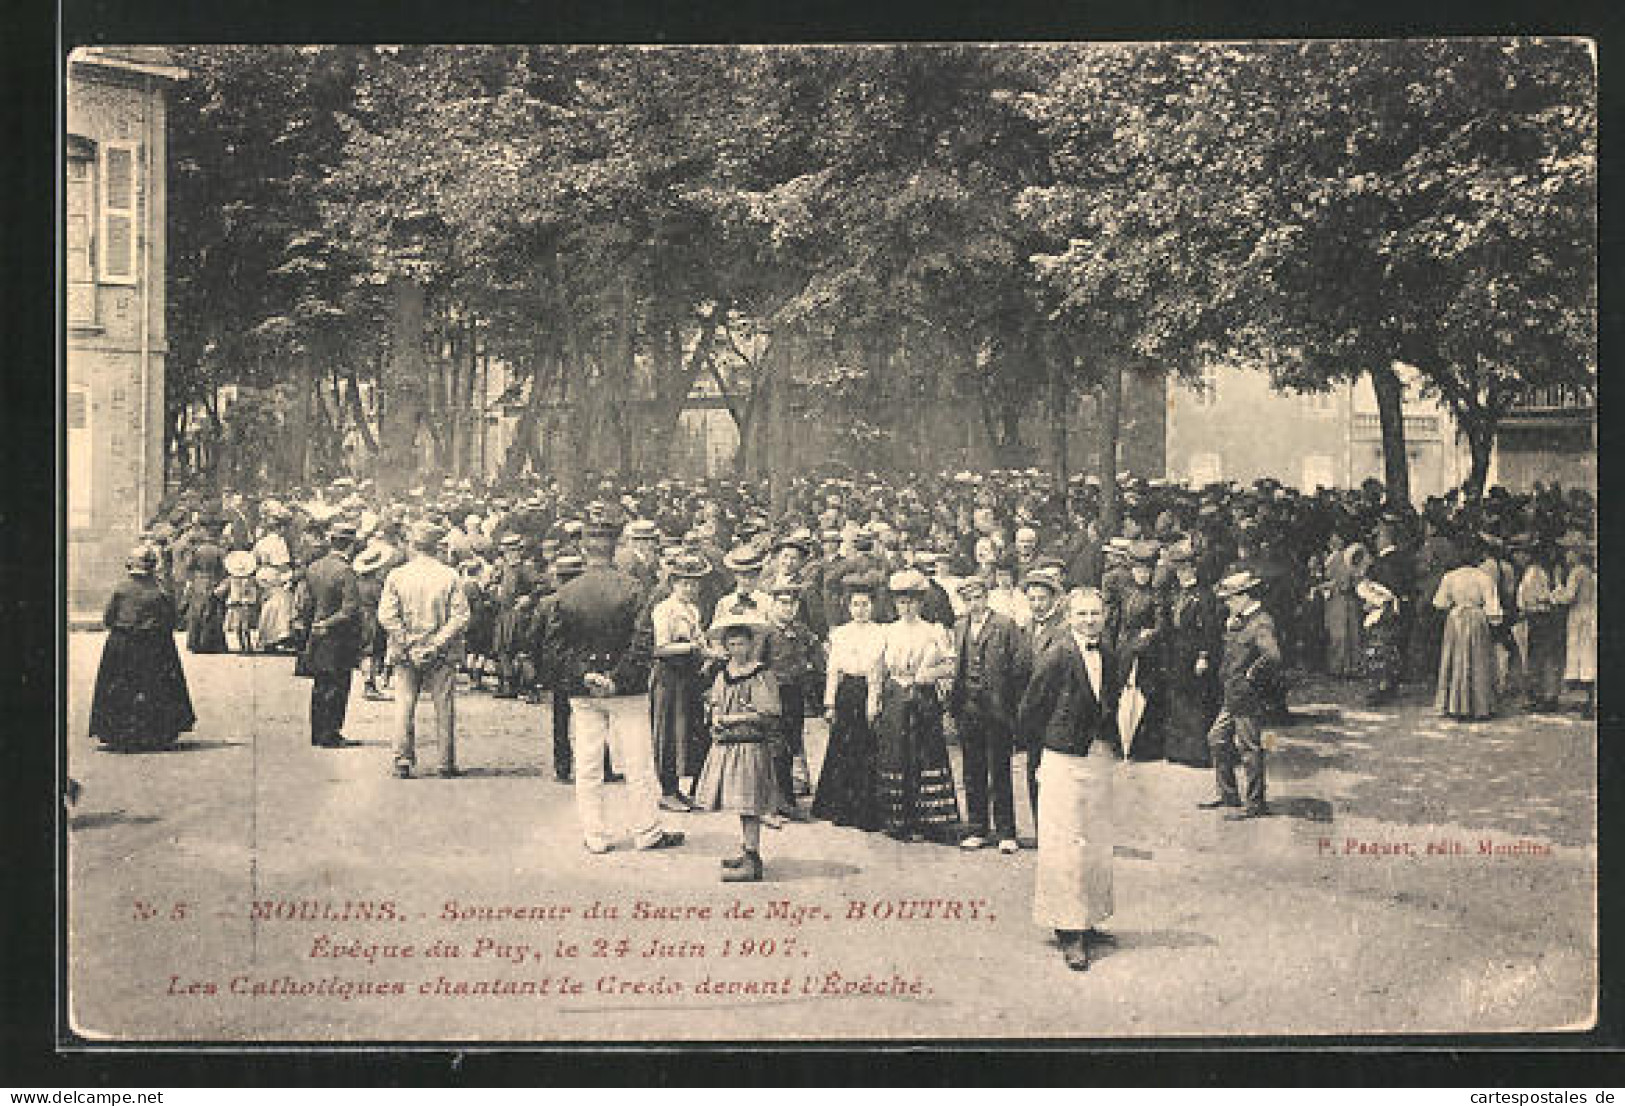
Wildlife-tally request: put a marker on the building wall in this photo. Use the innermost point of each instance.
(1235, 426)
(114, 299)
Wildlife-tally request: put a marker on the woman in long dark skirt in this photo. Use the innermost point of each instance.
(917, 797)
(205, 610)
(846, 793)
(141, 700)
(1194, 643)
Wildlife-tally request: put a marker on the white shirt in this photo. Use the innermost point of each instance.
(1091, 661)
(854, 650)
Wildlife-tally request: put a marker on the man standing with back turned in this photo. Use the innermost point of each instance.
(424, 611)
(593, 631)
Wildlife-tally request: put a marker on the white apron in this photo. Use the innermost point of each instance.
(1073, 886)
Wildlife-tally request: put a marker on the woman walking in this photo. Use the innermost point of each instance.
(917, 797)
(1470, 602)
(1194, 643)
(847, 790)
(141, 701)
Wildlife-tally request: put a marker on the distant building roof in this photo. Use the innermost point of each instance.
(151, 61)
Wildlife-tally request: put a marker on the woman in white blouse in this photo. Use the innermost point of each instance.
(917, 795)
(846, 792)
(1471, 601)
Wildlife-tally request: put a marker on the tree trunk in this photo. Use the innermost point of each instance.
(1111, 416)
(358, 411)
(296, 430)
(1479, 426)
(1058, 394)
(472, 418)
(1396, 467)
(402, 384)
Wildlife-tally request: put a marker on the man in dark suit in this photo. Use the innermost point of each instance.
(990, 673)
(332, 610)
(1071, 702)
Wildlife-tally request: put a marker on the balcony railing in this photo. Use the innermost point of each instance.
(1418, 425)
(1553, 398)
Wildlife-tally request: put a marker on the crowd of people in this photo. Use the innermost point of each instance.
(683, 632)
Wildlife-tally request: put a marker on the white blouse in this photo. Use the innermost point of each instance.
(914, 653)
(854, 650)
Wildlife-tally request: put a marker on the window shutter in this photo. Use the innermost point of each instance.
(118, 214)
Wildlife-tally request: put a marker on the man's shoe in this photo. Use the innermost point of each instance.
(734, 861)
(974, 841)
(1009, 846)
(403, 771)
(598, 849)
(749, 870)
(614, 777)
(668, 839)
(450, 773)
(1092, 936)
(1248, 814)
(675, 804)
(1215, 804)
(1075, 953)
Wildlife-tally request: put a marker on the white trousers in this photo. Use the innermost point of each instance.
(621, 724)
(1073, 885)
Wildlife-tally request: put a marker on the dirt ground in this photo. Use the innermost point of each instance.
(1369, 904)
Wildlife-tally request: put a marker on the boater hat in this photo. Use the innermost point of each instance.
(910, 581)
(241, 562)
(1237, 583)
(743, 559)
(371, 559)
(689, 565)
(737, 621)
(569, 566)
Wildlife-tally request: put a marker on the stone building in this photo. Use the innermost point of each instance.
(113, 301)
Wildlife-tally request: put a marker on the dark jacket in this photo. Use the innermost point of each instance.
(1251, 658)
(1006, 663)
(332, 610)
(1062, 706)
(593, 627)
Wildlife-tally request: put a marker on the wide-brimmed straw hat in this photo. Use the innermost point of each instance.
(240, 562)
(1237, 583)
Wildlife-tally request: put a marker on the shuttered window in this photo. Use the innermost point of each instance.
(119, 192)
(79, 256)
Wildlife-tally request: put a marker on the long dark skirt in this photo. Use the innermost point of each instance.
(1192, 706)
(205, 619)
(141, 700)
(847, 790)
(915, 783)
(677, 717)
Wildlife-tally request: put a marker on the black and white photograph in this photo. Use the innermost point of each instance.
(901, 542)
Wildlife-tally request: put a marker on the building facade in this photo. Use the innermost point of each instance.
(113, 300)
(1232, 425)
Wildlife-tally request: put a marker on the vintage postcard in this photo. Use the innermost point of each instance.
(809, 544)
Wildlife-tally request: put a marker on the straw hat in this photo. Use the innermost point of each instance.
(240, 562)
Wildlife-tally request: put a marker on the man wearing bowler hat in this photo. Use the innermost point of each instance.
(332, 610)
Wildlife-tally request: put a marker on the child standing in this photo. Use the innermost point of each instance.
(744, 710)
(241, 593)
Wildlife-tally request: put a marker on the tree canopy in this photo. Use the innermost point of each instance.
(847, 227)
